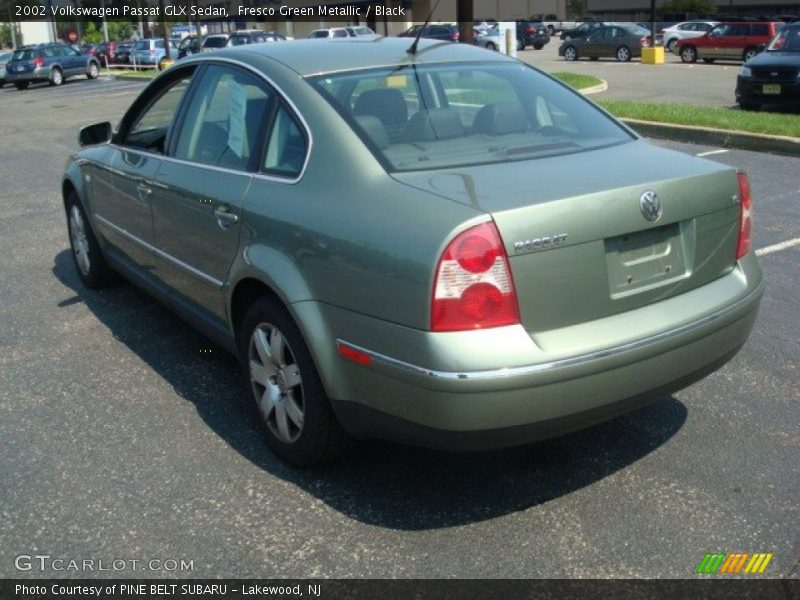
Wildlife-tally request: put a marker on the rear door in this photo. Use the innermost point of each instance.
(733, 44)
(197, 203)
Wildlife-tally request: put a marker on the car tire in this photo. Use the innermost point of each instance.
(623, 54)
(92, 71)
(21, 85)
(671, 44)
(301, 428)
(90, 263)
(689, 54)
(520, 45)
(490, 46)
(749, 53)
(538, 46)
(570, 53)
(551, 30)
(749, 106)
(56, 76)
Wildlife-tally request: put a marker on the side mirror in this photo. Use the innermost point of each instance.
(99, 133)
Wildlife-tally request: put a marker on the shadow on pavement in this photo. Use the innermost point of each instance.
(377, 483)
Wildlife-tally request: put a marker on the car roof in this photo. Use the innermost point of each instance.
(351, 54)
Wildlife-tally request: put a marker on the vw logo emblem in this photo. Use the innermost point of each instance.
(650, 206)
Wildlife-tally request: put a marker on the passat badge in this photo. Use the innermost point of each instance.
(650, 205)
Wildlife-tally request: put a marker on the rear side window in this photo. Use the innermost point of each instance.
(762, 30)
(224, 119)
(286, 149)
(24, 55)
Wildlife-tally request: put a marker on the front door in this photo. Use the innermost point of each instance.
(197, 206)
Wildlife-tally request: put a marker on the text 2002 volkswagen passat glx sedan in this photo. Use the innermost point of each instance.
(357, 222)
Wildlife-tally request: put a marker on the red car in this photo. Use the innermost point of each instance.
(737, 40)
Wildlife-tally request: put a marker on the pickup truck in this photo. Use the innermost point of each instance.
(551, 23)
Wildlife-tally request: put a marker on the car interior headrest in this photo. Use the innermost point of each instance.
(375, 130)
(499, 118)
(435, 124)
(388, 105)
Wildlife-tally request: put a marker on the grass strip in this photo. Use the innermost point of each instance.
(579, 82)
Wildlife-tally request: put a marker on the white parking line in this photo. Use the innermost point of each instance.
(778, 247)
(710, 152)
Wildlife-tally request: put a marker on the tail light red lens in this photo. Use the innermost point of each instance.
(645, 42)
(745, 216)
(454, 36)
(38, 62)
(473, 288)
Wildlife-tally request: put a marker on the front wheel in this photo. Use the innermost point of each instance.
(570, 53)
(92, 267)
(538, 46)
(623, 54)
(301, 428)
(93, 71)
(688, 54)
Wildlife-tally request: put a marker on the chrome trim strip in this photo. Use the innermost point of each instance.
(197, 273)
(280, 92)
(507, 373)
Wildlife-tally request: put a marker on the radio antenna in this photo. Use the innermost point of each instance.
(413, 48)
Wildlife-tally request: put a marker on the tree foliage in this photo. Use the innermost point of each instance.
(698, 7)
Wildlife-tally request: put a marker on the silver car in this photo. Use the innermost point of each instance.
(686, 30)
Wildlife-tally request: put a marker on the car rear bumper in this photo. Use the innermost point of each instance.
(407, 401)
(40, 74)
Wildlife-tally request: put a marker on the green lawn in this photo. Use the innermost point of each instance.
(148, 74)
(577, 81)
(706, 116)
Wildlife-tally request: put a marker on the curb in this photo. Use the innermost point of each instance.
(742, 140)
(595, 89)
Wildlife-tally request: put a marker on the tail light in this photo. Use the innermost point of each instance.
(645, 42)
(745, 216)
(473, 288)
(454, 36)
(38, 62)
(531, 29)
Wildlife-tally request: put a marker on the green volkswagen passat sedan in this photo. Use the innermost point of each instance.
(443, 247)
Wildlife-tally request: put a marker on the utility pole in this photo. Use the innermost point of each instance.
(105, 22)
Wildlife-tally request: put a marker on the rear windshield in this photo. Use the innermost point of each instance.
(24, 55)
(215, 42)
(450, 115)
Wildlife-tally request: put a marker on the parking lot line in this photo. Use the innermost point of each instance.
(710, 152)
(778, 247)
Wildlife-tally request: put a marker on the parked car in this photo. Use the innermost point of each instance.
(737, 40)
(123, 52)
(106, 52)
(445, 32)
(214, 42)
(438, 300)
(151, 51)
(581, 30)
(49, 62)
(552, 24)
(360, 30)
(772, 76)
(4, 58)
(685, 31)
(531, 34)
(332, 32)
(189, 45)
(241, 38)
(491, 39)
(622, 42)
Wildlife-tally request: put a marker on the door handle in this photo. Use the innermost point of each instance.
(144, 192)
(225, 218)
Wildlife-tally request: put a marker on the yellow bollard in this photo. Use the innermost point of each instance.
(653, 56)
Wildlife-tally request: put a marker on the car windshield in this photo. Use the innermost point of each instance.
(418, 117)
(786, 40)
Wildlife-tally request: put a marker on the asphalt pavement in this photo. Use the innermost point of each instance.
(126, 434)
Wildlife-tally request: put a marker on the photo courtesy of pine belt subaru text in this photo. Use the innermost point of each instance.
(354, 220)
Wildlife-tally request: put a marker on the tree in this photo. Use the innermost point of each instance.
(6, 37)
(120, 30)
(92, 35)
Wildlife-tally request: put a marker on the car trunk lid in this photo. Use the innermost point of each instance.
(580, 247)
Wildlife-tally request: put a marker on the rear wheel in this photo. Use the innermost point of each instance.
(56, 76)
(21, 85)
(671, 44)
(689, 54)
(749, 53)
(570, 53)
(92, 267)
(93, 71)
(285, 385)
(623, 54)
(538, 46)
(490, 46)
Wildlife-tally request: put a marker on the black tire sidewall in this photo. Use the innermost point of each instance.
(99, 272)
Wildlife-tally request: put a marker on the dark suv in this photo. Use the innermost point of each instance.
(772, 77)
(49, 62)
(531, 34)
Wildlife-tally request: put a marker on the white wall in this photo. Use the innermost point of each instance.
(36, 32)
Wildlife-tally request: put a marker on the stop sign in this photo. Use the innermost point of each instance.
(72, 36)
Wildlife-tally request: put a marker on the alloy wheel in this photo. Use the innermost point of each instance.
(80, 243)
(570, 53)
(276, 382)
(623, 54)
